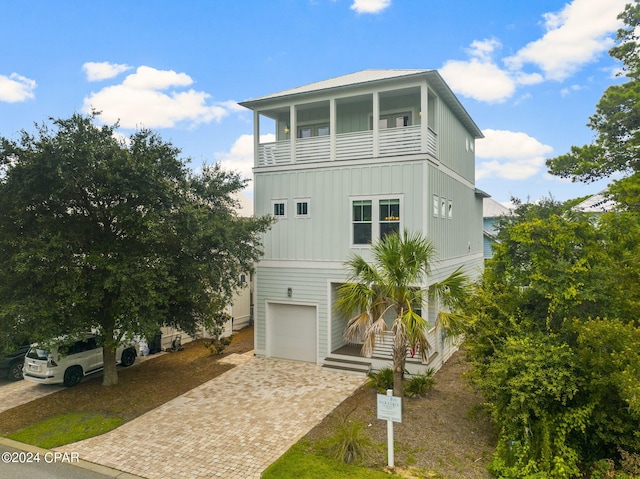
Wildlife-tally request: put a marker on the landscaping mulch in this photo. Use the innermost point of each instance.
(446, 433)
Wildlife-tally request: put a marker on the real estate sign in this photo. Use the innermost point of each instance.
(389, 408)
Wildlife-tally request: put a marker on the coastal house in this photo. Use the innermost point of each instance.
(492, 211)
(349, 160)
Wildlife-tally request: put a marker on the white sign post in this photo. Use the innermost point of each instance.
(390, 409)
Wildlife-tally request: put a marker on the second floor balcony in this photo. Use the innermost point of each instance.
(372, 125)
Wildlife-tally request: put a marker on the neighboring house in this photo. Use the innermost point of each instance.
(356, 157)
(598, 203)
(240, 309)
(492, 211)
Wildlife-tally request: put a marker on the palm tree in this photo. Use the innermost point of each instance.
(395, 283)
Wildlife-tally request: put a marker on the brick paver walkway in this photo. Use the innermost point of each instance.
(233, 426)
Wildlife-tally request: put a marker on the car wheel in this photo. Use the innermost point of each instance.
(72, 376)
(15, 371)
(128, 357)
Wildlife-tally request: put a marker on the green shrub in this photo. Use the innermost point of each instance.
(382, 380)
(216, 346)
(350, 443)
(630, 463)
(419, 384)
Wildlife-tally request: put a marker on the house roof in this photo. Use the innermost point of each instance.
(598, 203)
(492, 209)
(364, 77)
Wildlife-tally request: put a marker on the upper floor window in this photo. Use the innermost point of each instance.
(389, 217)
(279, 208)
(362, 221)
(394, 120)
(384, 213)
(302, 208)
(307, 131)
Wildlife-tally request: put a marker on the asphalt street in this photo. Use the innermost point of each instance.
(19, 464)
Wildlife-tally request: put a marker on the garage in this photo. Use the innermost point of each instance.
(292, 332)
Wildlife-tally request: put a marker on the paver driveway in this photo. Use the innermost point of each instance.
(233, 426)
(14, 393)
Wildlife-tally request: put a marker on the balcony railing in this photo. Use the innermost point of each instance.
(349, 146)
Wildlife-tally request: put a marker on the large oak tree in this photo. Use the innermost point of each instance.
(116, 236)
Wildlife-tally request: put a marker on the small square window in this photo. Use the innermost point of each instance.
(279, 209)
(302, 209)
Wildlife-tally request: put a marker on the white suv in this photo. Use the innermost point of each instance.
(71, 363)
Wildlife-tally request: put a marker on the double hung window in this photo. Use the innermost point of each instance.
(374, 218)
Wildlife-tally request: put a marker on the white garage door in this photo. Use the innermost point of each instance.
(292, 332)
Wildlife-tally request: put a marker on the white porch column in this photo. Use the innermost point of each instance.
(332, 129)
(294, 131)
(424, 118)
(376, 124)
(256, 137)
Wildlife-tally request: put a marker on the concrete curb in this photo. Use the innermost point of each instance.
(107, 471)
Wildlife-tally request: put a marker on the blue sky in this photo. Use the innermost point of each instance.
(529, 73)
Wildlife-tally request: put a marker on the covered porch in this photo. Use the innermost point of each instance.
(378, 124)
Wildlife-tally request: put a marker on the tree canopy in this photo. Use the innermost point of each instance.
(556, 341)
(616, 123)
(116, 236)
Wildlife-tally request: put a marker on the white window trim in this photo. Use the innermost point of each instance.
(435, 206)
(296, 202)
(276, 202)
(375, 216)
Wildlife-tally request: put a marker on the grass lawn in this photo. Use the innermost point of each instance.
(302, 461)
(65, 429)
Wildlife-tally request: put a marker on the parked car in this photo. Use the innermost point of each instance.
(69, 364)
(11, 364)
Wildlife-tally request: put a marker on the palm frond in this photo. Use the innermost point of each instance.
(374, 332)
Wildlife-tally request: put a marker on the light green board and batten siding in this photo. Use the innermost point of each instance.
(325, 235)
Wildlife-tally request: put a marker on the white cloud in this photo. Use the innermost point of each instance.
(151, 98)
(370, 6)
(16, 88)
(97, 71)
(482, 81)
(574, 36)
(510, 155)
(570, 89)
(479, 78)
(240, 157)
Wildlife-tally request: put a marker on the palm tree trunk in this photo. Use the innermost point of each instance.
(399, 359)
